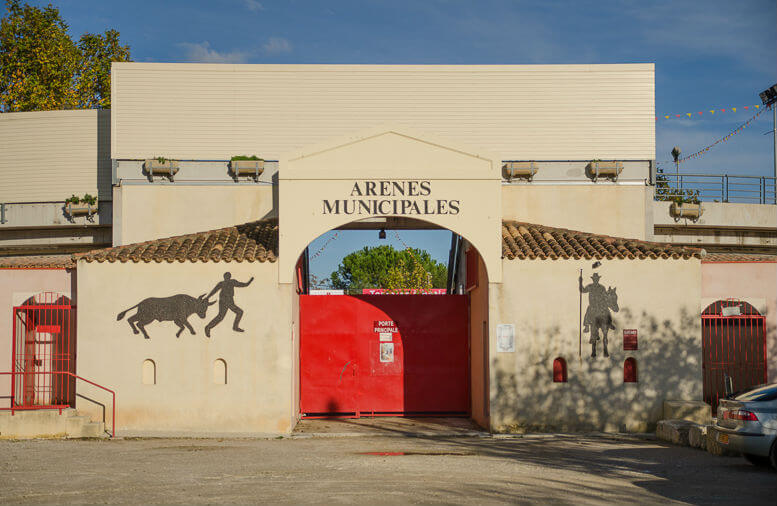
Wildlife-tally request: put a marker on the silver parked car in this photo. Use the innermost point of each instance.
(747, 423)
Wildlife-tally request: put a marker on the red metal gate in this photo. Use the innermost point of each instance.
(370, 355)
(43, 353)
(733, 344)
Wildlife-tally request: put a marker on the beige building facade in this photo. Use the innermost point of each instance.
(228, 382)
(595, 396)
(193, 316)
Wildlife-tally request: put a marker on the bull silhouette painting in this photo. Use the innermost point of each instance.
(176, 308)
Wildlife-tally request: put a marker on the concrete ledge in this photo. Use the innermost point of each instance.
(48, 423)
(694, 411)
(697, 436)
(674, 431)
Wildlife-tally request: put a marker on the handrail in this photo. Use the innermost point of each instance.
(716, 187)
(113, 394)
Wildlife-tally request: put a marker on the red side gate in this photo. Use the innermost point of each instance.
(43, 349)
(733, 344)
(370, 355)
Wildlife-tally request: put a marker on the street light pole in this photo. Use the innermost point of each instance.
(774, 133)
(769, 99)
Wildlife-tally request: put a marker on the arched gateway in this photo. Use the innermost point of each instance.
(388, 354)
(389, 172)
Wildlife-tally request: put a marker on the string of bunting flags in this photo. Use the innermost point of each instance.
(323, 247)
(708, 112)
(723, 139)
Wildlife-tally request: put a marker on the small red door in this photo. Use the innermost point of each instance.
(384, 354)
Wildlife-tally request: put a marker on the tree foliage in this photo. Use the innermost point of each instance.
(408, 275)
(42, 68)
(386, 267)
(94, 80)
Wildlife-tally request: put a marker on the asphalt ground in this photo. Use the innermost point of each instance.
(376, 470)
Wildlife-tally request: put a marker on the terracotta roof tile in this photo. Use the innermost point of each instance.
(251, 242)
(526, 241)
(738, 257)
(37, 262)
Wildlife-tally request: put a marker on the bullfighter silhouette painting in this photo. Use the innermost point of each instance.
(178, 308)
(227, 302)
(598, 318)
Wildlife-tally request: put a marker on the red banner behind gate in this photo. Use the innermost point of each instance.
(384, 354)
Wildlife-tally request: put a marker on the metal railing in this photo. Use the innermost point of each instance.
(716, 188)
(60, 407)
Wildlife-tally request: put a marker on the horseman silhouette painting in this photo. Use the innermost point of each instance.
(598, 320)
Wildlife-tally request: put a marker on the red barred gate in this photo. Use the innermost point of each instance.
(384, 355)
(733, 344)
(43, 353)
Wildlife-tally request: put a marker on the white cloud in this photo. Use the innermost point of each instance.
(253, 5)
(276, 45)
(201, 52)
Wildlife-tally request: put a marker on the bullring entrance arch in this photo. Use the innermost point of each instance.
(389, 172)
(388, 354)
(392, 173)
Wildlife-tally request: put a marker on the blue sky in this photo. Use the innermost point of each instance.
(709, 54)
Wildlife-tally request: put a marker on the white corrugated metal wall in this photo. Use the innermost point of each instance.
(539, 112)
(49, 155)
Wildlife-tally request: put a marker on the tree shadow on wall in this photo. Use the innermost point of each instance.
(595, 396)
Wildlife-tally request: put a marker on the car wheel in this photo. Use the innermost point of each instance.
(773, 455)
(758, 460)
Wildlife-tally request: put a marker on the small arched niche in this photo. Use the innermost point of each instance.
(220, 371)
(149, 372)
(630, 370)
(559, 370)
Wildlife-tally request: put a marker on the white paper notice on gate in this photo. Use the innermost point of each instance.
(505, 338)
(386, 337)
(386, 352)
(731, 311)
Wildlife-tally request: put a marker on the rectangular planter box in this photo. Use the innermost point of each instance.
(686, 210)
(609, 169)
(252, 168)
(154, 167)
(526, 170)
(80, 209)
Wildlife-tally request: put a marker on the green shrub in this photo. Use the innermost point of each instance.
(245, 157)
(86, 199)
(666, 192)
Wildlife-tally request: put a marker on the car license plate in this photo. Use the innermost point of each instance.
(722, 438)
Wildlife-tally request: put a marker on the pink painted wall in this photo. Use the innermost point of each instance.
(17, 285)
(753, 282)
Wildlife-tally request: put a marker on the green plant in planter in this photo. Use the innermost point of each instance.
(246, 157)
(86, 199)
(161, 159)
(668, 193)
